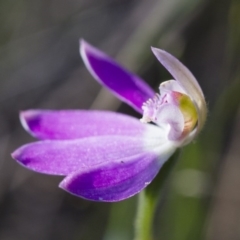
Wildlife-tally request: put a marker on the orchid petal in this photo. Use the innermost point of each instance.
(127, 86)
(72, 124)
(62, 157)
(170, 86)
(186, 80)
(118, 180)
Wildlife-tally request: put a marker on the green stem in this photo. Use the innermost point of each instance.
(148, 200)
(144, 218)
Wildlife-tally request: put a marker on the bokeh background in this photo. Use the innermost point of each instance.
(40, 67)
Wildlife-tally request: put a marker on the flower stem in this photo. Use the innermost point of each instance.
(144, 218)
(148, 200)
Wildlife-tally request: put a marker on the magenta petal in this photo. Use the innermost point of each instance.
(125, 85)
(62, 157)
(116, 181)
(73, 124)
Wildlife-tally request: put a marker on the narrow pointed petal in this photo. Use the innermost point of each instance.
(186, 80)
(119, 180)
(62, 157)
(125, 85)
(73, 124)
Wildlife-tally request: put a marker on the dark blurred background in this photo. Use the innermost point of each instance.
(40, 67)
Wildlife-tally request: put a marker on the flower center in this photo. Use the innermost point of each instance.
(173, 108)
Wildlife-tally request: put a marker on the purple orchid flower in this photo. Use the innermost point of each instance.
(108, 156)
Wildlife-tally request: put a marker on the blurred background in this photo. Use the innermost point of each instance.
(40, 67)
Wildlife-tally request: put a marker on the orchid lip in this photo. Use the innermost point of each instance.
(172, 106)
